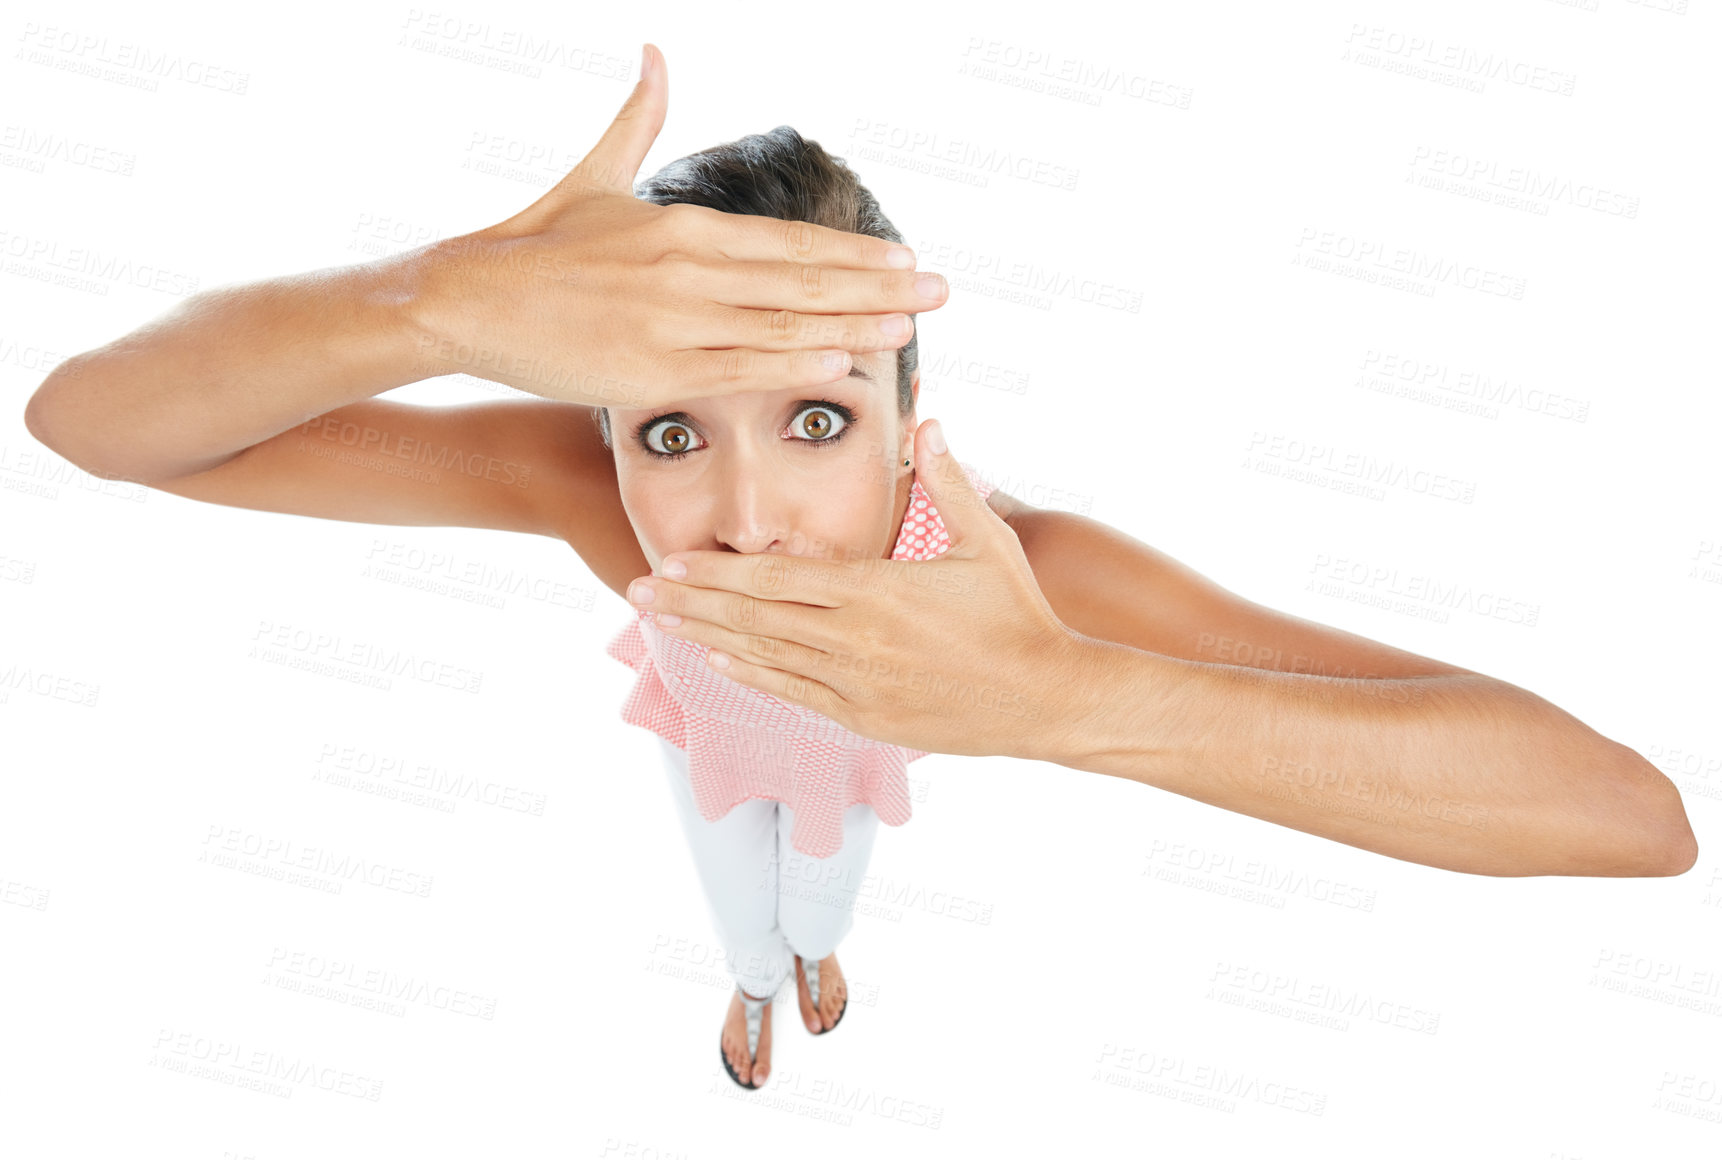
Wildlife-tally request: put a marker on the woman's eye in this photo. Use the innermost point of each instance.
(816, 423)
(819, 424)
(676, 438)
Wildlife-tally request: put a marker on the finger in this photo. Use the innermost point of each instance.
(614, 163)
(819, 291)
(770, 576)
(753, 647)
(704, 373)
(773, 306)
(797, 690)
(750, 237)
(948, 485)
(730, 620)
(768, 329)
(777, 330)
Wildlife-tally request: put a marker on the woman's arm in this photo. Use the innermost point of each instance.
(589, 295)
(1460, 771)
(229, 368)
(1347, 738)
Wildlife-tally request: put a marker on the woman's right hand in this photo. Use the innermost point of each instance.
(592, 295)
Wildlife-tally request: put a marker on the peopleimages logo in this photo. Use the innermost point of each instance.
(1361, 466)
(133, 64)
(1531, 183)
(223, 1061)
(1429, 269)
(1428, 59)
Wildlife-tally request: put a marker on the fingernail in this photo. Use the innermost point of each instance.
(675, 569)
(640, 594)
(645, 62)
(931, 287)
(936, 438)
(719, 661)
(900, 258)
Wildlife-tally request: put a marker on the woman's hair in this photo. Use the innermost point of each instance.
(779, 174)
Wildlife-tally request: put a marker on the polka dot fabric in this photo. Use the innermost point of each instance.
(742, 743)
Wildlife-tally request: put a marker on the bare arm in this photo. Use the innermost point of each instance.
(259, 396)
(1459, 771)
(1191, 688)
(590, 295)
(229, 368)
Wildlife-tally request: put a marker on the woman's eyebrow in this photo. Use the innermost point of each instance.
(855, 372)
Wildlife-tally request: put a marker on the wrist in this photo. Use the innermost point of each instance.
(1115, 706)
(1070, 713)
(424, 296)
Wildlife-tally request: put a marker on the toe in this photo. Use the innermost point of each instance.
(809, 1013)
(762, 1066)
(831, 991)
(735, 1044)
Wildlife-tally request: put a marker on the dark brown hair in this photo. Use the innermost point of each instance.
(780, 174)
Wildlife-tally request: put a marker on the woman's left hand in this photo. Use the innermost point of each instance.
(959, 654)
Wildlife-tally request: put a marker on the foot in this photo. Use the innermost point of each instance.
(753, 1072)
(832, 990)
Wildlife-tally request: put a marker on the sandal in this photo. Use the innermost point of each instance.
(755, 1014)
(812, 977)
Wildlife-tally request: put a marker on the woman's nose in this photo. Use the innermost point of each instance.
(750, 537)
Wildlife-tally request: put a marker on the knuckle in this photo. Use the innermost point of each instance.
(815, 281)
(681, 219)
(743, 613)
(798, 239)
(771, 574)
(780, 324)
(732, 365)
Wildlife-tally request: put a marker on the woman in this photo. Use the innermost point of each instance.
(704, 333)
(768, 812)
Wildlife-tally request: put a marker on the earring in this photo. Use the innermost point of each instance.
(905, 463)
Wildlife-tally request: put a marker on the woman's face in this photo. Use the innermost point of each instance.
(808, 471)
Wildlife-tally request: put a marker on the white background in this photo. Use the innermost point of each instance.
(1055, 962)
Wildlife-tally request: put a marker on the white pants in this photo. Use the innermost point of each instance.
(768, 900)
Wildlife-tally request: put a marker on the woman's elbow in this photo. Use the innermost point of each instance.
(1661, 836)
(1677, 851)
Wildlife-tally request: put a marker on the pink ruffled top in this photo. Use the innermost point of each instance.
(742, 743)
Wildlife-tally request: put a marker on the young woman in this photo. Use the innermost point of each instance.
(780, 805)
(694, 317)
